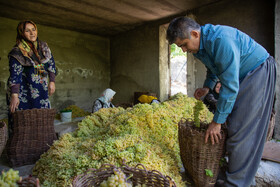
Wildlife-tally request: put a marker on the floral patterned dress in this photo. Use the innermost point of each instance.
(33, 92)
(33, 86)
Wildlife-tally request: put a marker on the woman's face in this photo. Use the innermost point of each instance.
(30, 32)
(218, 87)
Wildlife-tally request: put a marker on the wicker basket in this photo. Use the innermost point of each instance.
(33, 134)
(94, 177)
(198, 156)
(29, 182)
(3, 136)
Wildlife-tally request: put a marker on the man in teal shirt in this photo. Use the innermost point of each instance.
(248, 74)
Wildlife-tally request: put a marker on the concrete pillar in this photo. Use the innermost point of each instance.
(164, 70)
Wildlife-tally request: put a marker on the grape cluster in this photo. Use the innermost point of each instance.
(9, 178)
(118, 179)
(196, 112)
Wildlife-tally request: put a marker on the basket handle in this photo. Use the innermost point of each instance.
(171, 182)
(107, 166)
(137, 166)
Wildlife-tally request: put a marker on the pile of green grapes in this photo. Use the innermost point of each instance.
(9, 178)
(146, 134)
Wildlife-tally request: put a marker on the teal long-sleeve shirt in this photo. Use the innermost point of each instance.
(228, 55)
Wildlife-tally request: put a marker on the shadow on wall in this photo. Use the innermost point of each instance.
(125, 93)
(60, 104)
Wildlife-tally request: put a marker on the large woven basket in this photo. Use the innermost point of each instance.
(197, 157)
(3, 136)
(94, 177)
(33, 134)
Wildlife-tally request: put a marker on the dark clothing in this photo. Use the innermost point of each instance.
(29, 82)
(98, 104)
(210, 101)
(248, 124)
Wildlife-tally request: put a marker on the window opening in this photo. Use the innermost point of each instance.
(178, 68)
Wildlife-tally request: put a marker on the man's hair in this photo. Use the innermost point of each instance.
(181, 28)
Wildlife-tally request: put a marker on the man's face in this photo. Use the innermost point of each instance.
(190, 45)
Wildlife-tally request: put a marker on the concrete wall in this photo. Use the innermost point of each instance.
(82, 61)
(135, 63)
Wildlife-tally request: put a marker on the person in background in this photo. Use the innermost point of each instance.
(148, 99)
(32, 71)
(248, 74)
(105, 101)
(210, 100)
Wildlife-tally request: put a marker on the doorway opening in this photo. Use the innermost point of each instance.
(178, 70)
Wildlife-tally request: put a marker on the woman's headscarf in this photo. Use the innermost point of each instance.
(20, 31)
(107, 95)
(28, 48)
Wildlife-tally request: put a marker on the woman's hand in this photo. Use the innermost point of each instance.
(200, 92)
(214, 132)
(51, 88)
(14, 102)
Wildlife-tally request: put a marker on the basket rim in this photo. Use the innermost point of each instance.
(124, 167)
(203, 127)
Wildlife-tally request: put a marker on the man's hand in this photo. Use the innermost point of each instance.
(14, 102)
(200, 92)
(214, 132)
(51, 88)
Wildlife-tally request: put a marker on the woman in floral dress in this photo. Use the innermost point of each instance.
(32, 71)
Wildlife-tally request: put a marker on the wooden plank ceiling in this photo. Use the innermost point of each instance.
(100, 17)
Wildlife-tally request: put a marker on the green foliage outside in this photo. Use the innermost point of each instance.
(176, 51)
